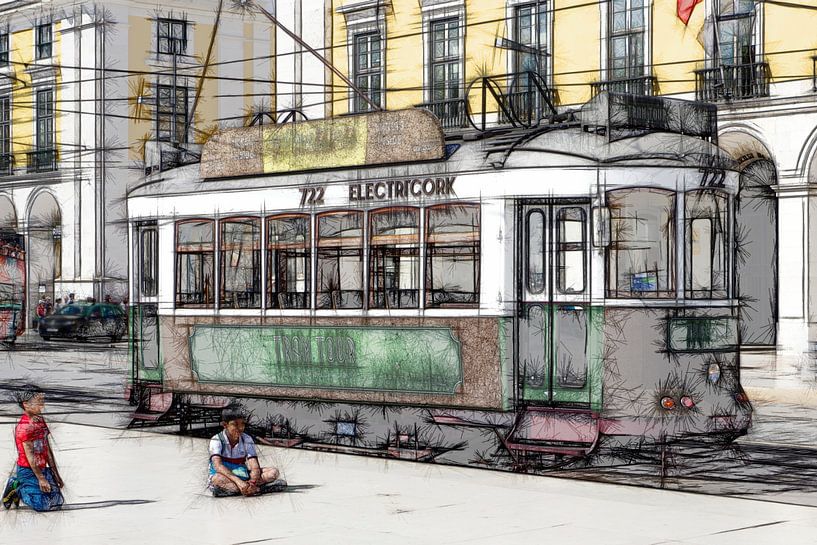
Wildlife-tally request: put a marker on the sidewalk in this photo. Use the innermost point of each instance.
(139, 487)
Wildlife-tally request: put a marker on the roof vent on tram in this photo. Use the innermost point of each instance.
(621, 115)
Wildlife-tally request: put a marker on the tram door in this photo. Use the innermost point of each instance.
(553, 316)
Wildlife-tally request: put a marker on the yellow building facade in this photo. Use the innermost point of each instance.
(579, 44)
(489, 63)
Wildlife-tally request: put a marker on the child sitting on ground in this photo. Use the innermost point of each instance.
(234, 467)
(37, 482)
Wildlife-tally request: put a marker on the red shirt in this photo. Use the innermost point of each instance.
(36, 431)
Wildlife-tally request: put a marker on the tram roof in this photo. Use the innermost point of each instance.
(565, 146)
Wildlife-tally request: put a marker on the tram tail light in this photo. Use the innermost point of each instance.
(687, 402)
(667, 403)
(741, 397)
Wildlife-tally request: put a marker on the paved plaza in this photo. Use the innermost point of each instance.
(138, 487)
(127, 486)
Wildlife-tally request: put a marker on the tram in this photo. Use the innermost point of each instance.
(365, 285)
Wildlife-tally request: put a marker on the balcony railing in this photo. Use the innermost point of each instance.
(519, 99)
(732, 82)
(42, 160)
(451, 112)
(641, 85)
(6, 164)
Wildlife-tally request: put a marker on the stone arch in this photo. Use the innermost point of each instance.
(44, 247)
(756, 235)
(8, 214)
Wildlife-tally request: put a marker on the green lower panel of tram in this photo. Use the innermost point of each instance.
(560, 354)
(422, 360)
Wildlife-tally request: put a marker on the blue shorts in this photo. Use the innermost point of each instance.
(239, 470)
(31, 494)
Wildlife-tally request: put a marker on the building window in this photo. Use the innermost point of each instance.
(43, 41)
(4, 48)
(149, 261)
(706, 243)
(626, 39)
(340, 260)
(43, 158)
(195, 249)
(368, 69)
(289, 246)
(45, 119)
(530, 31)
(394, 258)
(172, 36)
(452, 259)
(641, 257)
(171, 115)
(736, 31)
(446, 61)
(5, 135)
(571, 249)
(240, 261)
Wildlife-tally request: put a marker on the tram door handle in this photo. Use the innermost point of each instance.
(601, 226)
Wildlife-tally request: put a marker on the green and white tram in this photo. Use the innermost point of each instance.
(366, 286)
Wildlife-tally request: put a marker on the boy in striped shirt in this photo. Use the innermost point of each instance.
(234, 467)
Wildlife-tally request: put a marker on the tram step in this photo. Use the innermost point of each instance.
(555, 430)
(282, 442)
(154, 408)
(410, 453)
(550, 449)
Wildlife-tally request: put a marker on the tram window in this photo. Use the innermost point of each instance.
(533, 340)
(452, 259)
(240, 261)
(340, 260)
(571, 352)
(288, 261)
(149, 260)
(641, 256)
(394, 258)
(536, 252)
(571, 249)
(706, 244)
(194, 262)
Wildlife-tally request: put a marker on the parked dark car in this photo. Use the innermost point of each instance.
(84, 321)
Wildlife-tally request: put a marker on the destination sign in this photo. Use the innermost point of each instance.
(374, 138)
(362, 358)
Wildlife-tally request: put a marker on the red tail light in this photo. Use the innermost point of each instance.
(667, 403)
(741, 397)
(687, 402)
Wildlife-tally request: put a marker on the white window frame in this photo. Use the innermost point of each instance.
(604, 42)
(510, 17)
(365, 18)
(759, 43)
(434, 11)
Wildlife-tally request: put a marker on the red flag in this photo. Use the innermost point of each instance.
(685, 8)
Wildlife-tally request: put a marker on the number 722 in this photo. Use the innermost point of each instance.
(312, 195)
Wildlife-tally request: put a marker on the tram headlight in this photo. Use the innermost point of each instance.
(687, 402)
(667, 403)
(713, 373)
